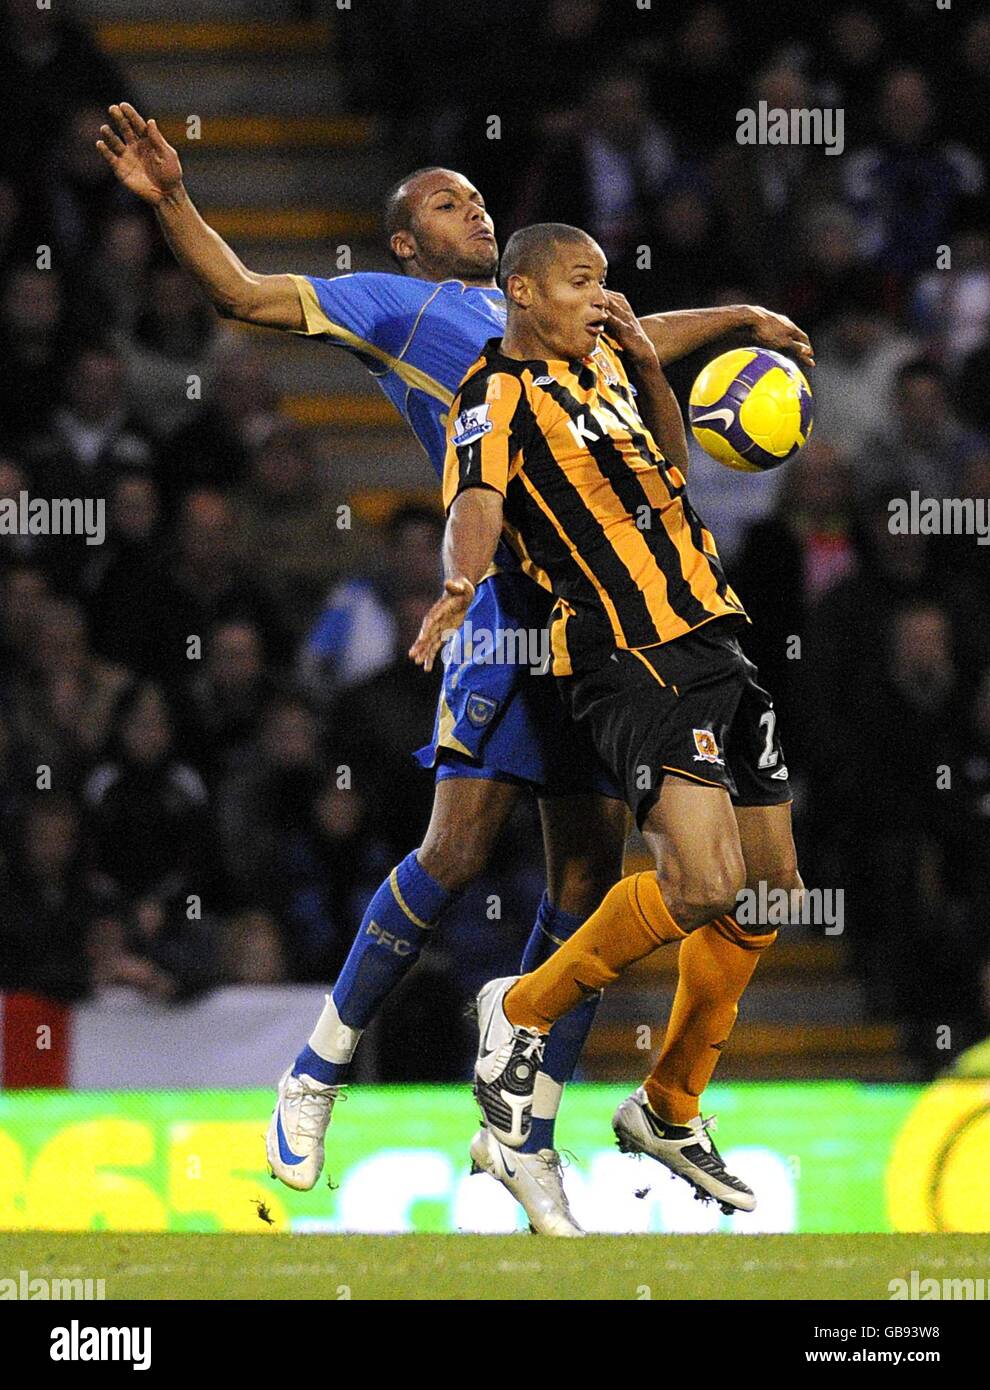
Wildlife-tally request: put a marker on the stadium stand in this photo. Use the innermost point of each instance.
(230, 772)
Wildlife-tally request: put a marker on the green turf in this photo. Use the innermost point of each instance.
(494, 1267)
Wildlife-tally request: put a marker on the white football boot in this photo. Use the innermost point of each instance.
(294, 1142)
(686, 1150)
(535, 1180)
(505, 1071)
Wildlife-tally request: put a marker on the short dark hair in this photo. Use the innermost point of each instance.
(530, 250)
(397, 212)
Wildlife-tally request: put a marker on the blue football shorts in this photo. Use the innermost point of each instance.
(502, 718)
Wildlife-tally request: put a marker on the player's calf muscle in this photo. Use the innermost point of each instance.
(584, 841)
(768, 847)
(578, 886)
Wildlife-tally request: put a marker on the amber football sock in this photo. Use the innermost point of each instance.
(631, 923)
(716, 964)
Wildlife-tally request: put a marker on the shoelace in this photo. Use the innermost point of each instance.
(550, 1176)
(534, 1043)
(714, 1162)
(709, 1126)
(313, 1106)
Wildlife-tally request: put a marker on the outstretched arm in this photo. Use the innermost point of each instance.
(676, 334)
(474, 525)
(146, 163)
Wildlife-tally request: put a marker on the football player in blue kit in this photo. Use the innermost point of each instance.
(500, 731)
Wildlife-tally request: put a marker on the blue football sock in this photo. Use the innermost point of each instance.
(554, 927)
(393, 930)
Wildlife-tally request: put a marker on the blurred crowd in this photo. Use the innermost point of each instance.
(206, 722)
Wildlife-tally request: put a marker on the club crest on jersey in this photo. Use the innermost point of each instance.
(479, 710)
(471, 424)
(606, 371)
(705, 742)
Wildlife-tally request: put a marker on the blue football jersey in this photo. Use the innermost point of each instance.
(416, 337)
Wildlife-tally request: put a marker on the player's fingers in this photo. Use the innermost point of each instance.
(617, 324)
(137, 122)
(124, 127)
(801, 346)
(112, 139)
(428, 640)
(108, 155)
(424, 649)
(619, 308)
(157, 138)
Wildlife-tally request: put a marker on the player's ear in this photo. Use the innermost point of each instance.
(403, 245)
(519, 290)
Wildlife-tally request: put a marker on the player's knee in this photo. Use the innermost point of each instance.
(455, 858)
(782, 876)
(791, 880)
(697, 893)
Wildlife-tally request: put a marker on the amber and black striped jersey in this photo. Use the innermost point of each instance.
(591, 508)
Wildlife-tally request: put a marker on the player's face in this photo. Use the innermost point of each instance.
(569, 305)
(451, 230)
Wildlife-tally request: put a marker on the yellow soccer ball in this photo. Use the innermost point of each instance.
(751, 409)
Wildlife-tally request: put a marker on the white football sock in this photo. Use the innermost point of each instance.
(547, 1095)
(332, 1040)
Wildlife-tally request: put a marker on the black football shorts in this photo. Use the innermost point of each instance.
(690, 708)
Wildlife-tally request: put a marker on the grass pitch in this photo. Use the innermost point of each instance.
(438, 1267)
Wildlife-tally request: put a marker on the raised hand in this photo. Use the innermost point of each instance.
(777, 331)
(443, 619)
(139, 154)
(627, 330)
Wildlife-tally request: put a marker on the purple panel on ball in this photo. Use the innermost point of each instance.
(807, 412)
(759, 457)
(738, 437)
(737, 392)
(751, 373)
